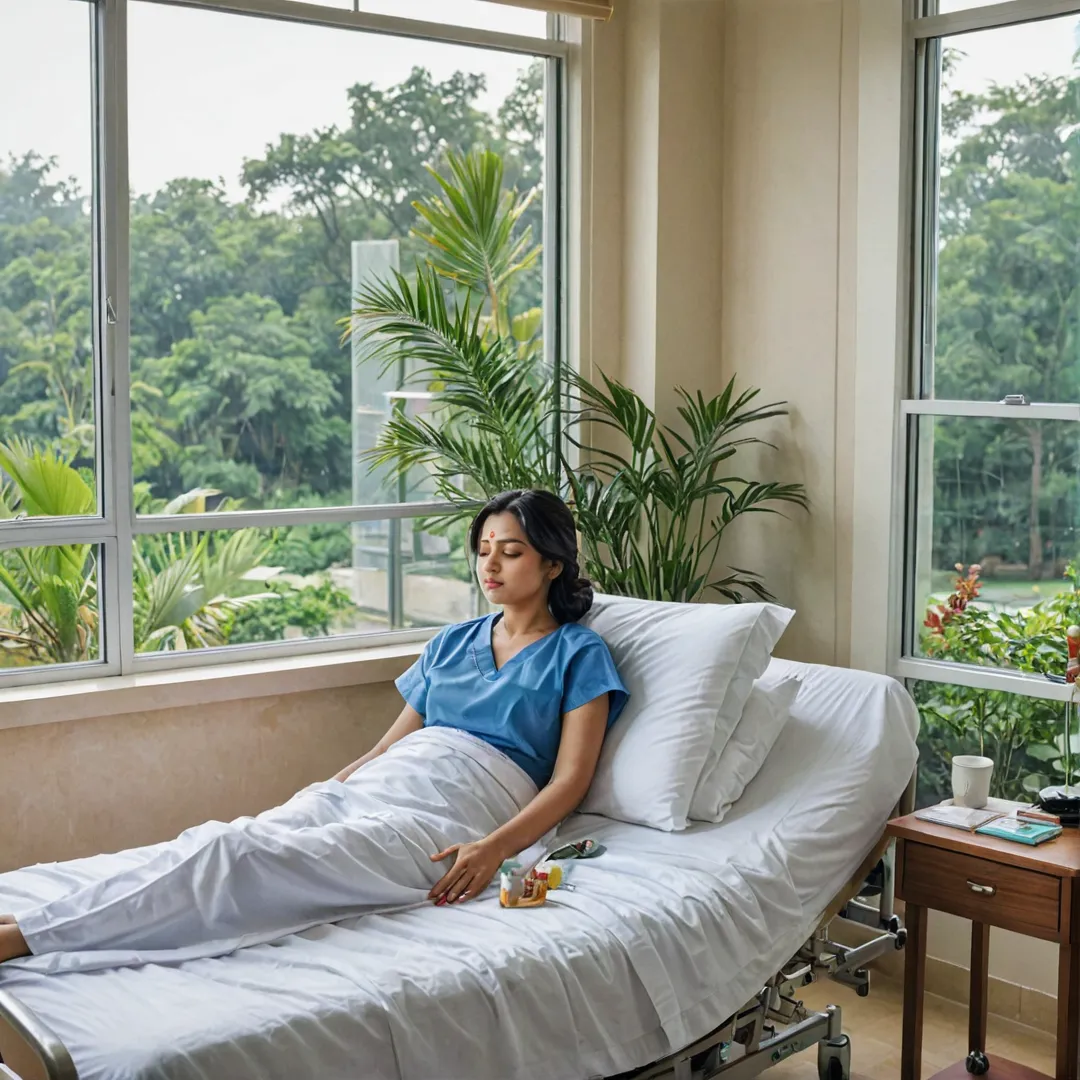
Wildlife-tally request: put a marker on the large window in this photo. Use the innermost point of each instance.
(992, 420)
(190, 201)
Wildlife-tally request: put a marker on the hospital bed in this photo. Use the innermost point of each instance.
(675, 955)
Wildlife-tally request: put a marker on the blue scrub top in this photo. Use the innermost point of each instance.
(519, 707)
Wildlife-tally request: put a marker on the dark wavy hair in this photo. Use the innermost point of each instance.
(549, 526)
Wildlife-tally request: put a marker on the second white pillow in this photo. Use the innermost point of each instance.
(689, 669)
(733, 763)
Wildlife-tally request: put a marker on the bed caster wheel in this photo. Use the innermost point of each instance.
(863, 990)
(834, 1059)
(901, 939)
(894, 926)
(977, 1063)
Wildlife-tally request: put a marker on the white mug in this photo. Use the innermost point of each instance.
(971, 780)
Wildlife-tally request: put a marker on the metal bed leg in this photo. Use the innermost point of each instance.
(707, 1058)
(834, 1049)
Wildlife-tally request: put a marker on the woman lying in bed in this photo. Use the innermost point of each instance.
(497, 743)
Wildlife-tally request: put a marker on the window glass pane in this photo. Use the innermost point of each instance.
(1008, 271)
(49, 606)
(1024, 736)
(46, 178)
(945, 6)
(261, 205)
(996, 541)
(204, 590)
(475, 13)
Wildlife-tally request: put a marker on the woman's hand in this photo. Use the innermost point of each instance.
(476, 864)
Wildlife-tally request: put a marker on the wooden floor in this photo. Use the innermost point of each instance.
(873, 1023)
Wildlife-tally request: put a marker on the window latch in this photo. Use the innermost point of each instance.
(110, 311)
(1015, 399)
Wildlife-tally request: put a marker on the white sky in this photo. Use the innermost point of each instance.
(207, 90)
(1008, 53)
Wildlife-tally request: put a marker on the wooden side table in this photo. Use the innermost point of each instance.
(1031, 890)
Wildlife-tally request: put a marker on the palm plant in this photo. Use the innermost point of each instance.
(48, 594)
(188, 589)
(652, 517)
(473, 236)
(652, 514)
(186, 592)
(491, 425)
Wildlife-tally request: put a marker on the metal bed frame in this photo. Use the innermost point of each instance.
(775, 1025)
(768, 1029)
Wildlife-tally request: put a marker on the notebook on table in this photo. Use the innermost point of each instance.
(987, 822)
(1024, 832)
(958, 817)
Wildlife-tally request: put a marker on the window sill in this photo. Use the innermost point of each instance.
(86, 699)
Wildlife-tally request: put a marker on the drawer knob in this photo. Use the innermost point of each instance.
(982, 890)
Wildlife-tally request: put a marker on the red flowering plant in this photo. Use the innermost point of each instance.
(1030, 639)
(1022, 734)
(940, 615)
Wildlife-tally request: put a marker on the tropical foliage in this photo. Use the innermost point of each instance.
(49, 594)
(187, 590)
(651, 511)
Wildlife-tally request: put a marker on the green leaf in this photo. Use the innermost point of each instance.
(46, 485)
(1042, 753)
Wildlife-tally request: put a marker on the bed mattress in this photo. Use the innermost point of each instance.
(663, 937)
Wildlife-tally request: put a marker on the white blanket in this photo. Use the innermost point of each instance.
(333, 851)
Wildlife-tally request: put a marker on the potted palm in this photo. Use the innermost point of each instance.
(652, 507)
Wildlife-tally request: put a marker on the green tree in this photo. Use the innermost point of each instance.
(242, 391)
(193, 248)
(46, 349)
(1007, 302)
(359, 182)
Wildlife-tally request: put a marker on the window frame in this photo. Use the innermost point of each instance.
(116, 525)
(926, 31)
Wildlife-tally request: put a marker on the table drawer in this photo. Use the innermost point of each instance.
(978, 889)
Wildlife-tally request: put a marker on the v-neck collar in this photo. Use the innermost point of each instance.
(484, 654)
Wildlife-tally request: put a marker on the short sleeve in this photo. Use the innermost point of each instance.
(592, 672)
(413, 684)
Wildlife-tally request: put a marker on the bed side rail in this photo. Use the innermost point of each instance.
(44, 1043)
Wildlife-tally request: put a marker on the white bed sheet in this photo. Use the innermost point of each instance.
(665, 936)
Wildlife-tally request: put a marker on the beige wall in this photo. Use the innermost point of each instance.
(736, 179)
(74, 789)
(782, 174)
(1013, 957)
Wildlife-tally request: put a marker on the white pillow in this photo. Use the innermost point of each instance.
(729, 768)
(689, 669)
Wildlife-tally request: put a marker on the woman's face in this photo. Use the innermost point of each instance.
(510, 570)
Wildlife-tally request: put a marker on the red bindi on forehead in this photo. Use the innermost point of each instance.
(492, 534)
